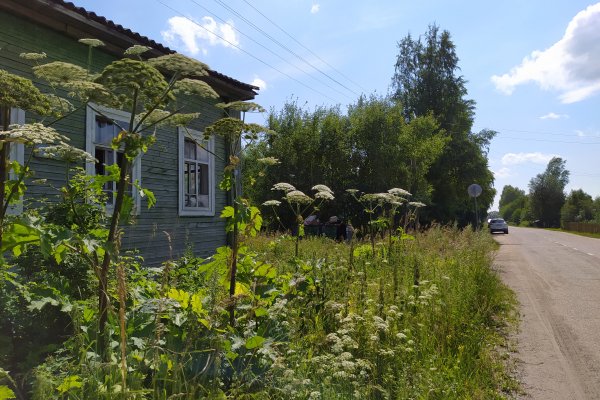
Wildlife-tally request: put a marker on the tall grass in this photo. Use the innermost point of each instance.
(418, 318)
(435, 338)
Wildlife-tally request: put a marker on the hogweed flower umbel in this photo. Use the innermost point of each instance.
(286, 187)
(271, 203)
(269, 161)
(298, 197)
(399, 192)
(32, 134)
(33, 56)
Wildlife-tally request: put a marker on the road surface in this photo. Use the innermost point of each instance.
(557, 280)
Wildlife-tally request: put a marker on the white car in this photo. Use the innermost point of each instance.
(498, 225)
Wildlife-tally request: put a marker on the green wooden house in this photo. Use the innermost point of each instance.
(186, 216)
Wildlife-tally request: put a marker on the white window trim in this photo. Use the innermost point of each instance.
(17, 153)
(205, 211)
(90, 167)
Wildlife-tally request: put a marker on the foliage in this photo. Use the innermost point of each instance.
(546, 192)
(513, 202)
(578, 207)
(426, 83)
(371, 149)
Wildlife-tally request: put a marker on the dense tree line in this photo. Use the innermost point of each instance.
(546, 204)
(419, 138)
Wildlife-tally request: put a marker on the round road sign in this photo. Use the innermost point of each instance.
(474, 190)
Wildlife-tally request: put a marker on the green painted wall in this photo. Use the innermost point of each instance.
(159, 165)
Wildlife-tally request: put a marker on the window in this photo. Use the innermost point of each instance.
(196, 174)
(101, 128)
(17, 152)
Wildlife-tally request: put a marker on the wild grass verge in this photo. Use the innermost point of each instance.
(419, 317)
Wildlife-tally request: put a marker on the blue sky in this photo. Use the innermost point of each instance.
(532, 66)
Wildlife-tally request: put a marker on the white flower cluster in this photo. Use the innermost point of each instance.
(324, 196)
(92, 42)
(66, 153)
(323, 192)
(399, 192)
(32, 134)
(271, 203)
(298, 197)
(286, 187)
(33, 56)
(269, 161)
(136, 50)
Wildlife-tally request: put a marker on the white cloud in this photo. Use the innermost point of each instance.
(569, 66)
(552, 115)
(503, 172)
(315, 8)
(260, 83)
(580, 133)
(196, 37)
(521, 158)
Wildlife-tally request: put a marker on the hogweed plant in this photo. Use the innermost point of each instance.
(242, 217)
(153, 92)
(300, 204)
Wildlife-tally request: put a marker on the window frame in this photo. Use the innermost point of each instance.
(17, 153)
(90, 147)
(210, 146)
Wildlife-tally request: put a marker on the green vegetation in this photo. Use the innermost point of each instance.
(392, 315)
(419, 139)
(328, 324)
(546, 204)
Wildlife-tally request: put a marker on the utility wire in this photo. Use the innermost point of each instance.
(268, 49)
(283, 46)
(538, 132)
(303, 46)
(545, 140)
(246, 52)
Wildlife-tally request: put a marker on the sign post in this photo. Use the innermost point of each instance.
(474, 191)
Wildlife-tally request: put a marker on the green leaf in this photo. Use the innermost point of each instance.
(181, 296)
(266, 270)
(254, 342)
(6, 393)
(151, 199)
(39, 304)
(70, 382)
(227, 212)
(261, 312)
(196, 303)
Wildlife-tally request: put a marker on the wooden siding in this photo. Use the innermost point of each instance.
(159, 166)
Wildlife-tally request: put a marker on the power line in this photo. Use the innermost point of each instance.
(303, 46)
(266, 48)
(545, 140)
(245, 52)
(283, 46)
(538, 132)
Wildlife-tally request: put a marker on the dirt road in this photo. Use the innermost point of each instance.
(557, 279)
